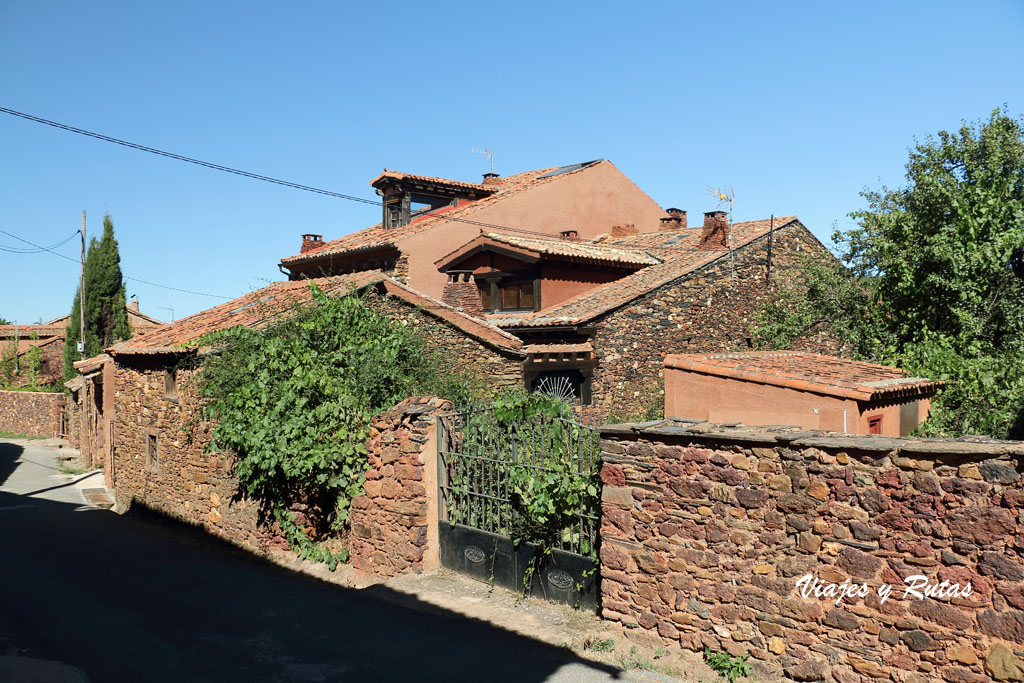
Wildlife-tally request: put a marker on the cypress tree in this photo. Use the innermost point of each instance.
(106, 319)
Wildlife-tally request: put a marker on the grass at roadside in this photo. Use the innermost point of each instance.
(68, 469)
(13, 435)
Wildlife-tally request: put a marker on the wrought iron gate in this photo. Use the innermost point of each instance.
(482, 467)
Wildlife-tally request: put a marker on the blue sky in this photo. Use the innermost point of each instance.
(799, 106)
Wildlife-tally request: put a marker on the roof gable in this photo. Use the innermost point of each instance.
(680, 255)
(379, 237)
(264, 307)
(532, 249)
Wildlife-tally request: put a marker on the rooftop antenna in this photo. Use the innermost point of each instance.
(487, 152)
(726, 197)
(167, 308)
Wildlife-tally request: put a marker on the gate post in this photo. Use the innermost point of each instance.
(395, 521)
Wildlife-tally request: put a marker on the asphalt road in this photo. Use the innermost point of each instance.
(140, 598)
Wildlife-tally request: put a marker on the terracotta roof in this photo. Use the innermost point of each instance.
(679, 250)
(811, 372)
(377, 237)
(25, 344)
(587, 252)
(265, 306)
(26, 331)
(433, 180)
(91, 364)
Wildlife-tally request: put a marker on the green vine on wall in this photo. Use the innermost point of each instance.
(294, 403)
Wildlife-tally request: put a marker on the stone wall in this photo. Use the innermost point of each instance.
(183, 481)
(32, 413)
(706, 531)
(73, 419)
(710, 310)
(189, 484)
(394, 525)
(497, 368)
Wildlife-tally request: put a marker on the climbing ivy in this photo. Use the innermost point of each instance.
(294, 402)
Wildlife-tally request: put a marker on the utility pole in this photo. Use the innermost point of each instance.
(81, 297)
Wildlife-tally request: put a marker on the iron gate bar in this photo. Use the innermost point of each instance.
(476, 456)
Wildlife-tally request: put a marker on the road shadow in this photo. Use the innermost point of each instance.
(9, 454)
(144, 598)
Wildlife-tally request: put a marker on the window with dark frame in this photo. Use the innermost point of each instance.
(875, 425)
(152, 451)
(516, 296)
(171, 384)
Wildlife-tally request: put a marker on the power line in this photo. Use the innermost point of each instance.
(19, 250)
(126, 277)
(248, 174)
(179, 157)
(285, 183)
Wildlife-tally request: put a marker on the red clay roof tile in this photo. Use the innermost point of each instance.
(678, 250)
(811, 372)
(378, 237)
(265, 306)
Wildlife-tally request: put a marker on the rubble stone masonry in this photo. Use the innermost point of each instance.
(32, 413)
(394, 525)
(707, 530)
(710, 310)
(497, 368)
(181, 481)
(187, 483)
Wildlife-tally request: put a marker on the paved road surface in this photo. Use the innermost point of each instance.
(138, 598)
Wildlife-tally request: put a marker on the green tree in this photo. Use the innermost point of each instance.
(106, 319)
(936, 282)
(4, 321)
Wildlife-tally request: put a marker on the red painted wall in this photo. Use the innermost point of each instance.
(720, 399)
(590, 201)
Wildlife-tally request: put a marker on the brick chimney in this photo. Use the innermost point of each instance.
(492, 178)
(675, 220)
(571, 235)
(715, 233)
(461, 293)
(133, 305)
(311, 242)
(624, 230)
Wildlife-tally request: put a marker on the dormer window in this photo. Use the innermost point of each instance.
(406, 196)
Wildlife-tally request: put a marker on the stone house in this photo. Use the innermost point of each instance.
(577, 262)
(159, 437)
(808, 390)
(424, 218)
(49, 337)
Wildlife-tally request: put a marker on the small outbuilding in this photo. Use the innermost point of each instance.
(808, 390)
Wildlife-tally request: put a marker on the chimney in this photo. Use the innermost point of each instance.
(624, 230)
(461, 293)
(133, 305)
(310, 242)
(571, 235)
(491, 178)
(715, 233)
(675, 220)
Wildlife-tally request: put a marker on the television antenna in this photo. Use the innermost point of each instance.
(487, 152)
(167, 308)
(725, 195)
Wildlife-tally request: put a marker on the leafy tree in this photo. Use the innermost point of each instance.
(106, 319)
(936, 282)
(4, 321)
(294, 402)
